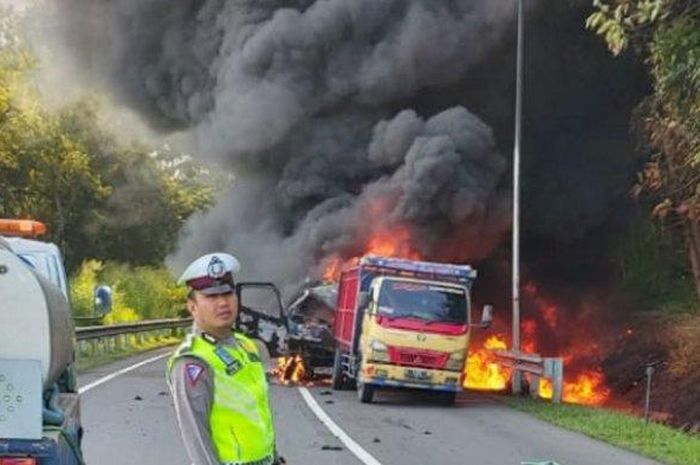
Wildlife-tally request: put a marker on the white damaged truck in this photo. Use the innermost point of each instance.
(39, 400)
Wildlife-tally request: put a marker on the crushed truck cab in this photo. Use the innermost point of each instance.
(403, 324)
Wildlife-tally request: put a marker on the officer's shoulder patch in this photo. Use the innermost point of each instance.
(193, 371)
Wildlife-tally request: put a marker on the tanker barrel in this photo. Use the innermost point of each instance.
(36, 318)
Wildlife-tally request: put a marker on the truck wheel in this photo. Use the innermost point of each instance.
(365, 392)
(338, 381)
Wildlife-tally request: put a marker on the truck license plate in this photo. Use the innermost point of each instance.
(419, 375)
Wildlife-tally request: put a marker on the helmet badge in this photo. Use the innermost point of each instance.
(216, 268)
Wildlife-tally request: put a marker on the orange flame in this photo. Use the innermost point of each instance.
(529, 334)
(549, 313)
(334, 266)
(588, 388)
(395, 242)
(482, 372)
(290, 370)
(496, 343)
(392, 243)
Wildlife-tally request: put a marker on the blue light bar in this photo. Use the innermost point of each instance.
(444, 269)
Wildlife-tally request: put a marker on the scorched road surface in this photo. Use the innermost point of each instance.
(129, 419)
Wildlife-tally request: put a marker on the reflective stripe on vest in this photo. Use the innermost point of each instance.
(240, 419)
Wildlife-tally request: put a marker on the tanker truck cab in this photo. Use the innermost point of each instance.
(39, 400)
(404, 324)
(44, 257)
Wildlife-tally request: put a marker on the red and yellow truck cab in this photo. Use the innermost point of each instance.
(403, 323)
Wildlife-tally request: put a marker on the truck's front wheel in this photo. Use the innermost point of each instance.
(365, 392)
(338, 379)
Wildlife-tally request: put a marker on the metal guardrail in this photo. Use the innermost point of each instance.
(537, 367)
(92, 332)
(111, 338)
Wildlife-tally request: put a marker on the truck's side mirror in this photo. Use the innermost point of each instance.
(486, 316)
(103, 300)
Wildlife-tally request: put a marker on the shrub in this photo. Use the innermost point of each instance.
(138, 293)
(82, 285)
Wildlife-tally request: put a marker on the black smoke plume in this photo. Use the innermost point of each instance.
(324, 109)
(312, 105)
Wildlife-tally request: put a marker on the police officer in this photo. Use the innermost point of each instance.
(216, 377)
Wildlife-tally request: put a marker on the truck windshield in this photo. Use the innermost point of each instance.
(430, 302)
(48, 266)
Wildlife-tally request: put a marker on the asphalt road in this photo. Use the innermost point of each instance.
(130, 419)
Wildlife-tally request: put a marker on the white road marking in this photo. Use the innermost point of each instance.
(110, 377)
(357, 450)
(364, 456)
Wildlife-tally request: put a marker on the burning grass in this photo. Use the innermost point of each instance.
(586, 388)
(484, 373)
(653, 440)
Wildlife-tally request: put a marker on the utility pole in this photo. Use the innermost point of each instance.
(517, 385)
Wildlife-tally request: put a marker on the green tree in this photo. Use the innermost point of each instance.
(43, 173)
(153, 192)
(666, 33)
(99, 197)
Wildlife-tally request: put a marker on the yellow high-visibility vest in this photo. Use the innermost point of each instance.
(240, 419)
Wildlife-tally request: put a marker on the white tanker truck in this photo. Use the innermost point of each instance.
(39, 403)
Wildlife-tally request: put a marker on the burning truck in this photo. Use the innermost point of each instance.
(310, 318)
(403, 324)
(389, 323)
(307, 333)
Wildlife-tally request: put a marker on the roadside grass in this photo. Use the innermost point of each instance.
(656, 441)
(135, 347)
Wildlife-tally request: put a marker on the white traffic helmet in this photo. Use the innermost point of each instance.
(211, 273)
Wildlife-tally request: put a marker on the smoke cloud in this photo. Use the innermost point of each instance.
(310, 104)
